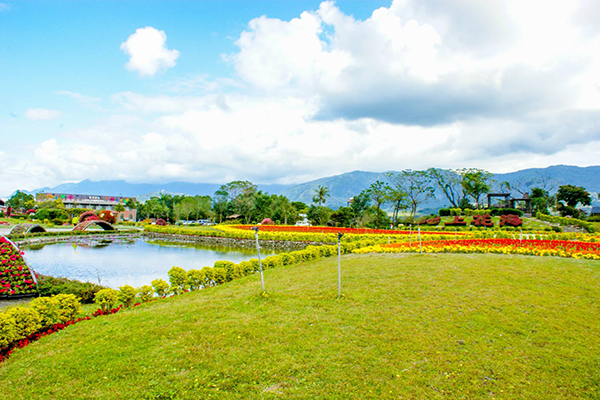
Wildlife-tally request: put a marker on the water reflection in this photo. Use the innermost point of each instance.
(136, 262)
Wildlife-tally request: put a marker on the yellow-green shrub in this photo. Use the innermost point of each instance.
(48, 309)
(127, 295)
(220, 275)
(107, 299)
(209, 276)
(8, 331)
(145, 293)
(161, 287)
(178, 278)
(26, 321)
(69, 306)
(196, 278)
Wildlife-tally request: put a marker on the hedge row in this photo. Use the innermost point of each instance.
(495, 212)
(567, 221)
(19, 322)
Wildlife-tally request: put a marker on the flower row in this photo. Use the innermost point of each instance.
(557, 248)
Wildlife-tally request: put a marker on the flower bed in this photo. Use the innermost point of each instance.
(334, 230)
(557, 248)
(16, 278)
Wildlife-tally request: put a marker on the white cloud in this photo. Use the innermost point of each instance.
(41, 114)
(425, 62)
(147, 51)
(447, 83)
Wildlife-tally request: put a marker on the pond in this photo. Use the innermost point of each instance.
(134, 262)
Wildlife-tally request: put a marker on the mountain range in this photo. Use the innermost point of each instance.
(341, 187)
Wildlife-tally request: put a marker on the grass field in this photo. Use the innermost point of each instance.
(409, 326)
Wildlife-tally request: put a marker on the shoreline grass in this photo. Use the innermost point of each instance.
(409, 326)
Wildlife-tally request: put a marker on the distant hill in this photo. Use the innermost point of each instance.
(342, 187)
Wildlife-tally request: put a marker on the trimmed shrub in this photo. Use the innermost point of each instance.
(209, 276)
(178, 278)
(26, 321)
(127, 295)
(8, 330)
(220, 275)
(196, 279)
(228, 266)
(161, 287)
(69, 306)
(145, 293)
(107, 299)
(496, 212)
(287, 259)
(49, 310)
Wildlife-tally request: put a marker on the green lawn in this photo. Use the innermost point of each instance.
(409, 326)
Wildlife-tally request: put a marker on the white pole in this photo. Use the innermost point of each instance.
(340, 264)
(262, 280)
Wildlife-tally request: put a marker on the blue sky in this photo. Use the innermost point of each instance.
(287, 91)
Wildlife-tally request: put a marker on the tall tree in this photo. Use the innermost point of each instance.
(21, 201)
(415, 184)
(283, 210)
(475, 183)
(379, 193)
(450, 183)
(572, 195)
(540, 200)
(321, 195)
(241, 195)
(359, 205)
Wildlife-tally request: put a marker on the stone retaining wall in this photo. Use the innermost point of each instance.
(234, 242)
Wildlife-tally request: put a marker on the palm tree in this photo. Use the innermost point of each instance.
(321, 195)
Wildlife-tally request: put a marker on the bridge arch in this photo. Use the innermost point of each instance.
(27, 228)
(82, 226)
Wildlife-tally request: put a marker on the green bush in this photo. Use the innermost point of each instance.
(127, 295)
(8, 330)
(196, 278)
(287, 259)
(26, 321)
(496, 212)
(249, 267)
(209, 276)
(107, 299)
(69, 305)
(50, 286)
(220, 275)
(567, 221)
(228, 266)
(161, 287)
(146, 293)
(178, 278)
(48, 309)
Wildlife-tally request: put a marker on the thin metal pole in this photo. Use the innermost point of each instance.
(262, 279)
(420, 247)
(340, 264)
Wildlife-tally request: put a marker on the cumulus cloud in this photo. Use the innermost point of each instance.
(447, 83)
(41, 114)
(422, 62)
(147, 52)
